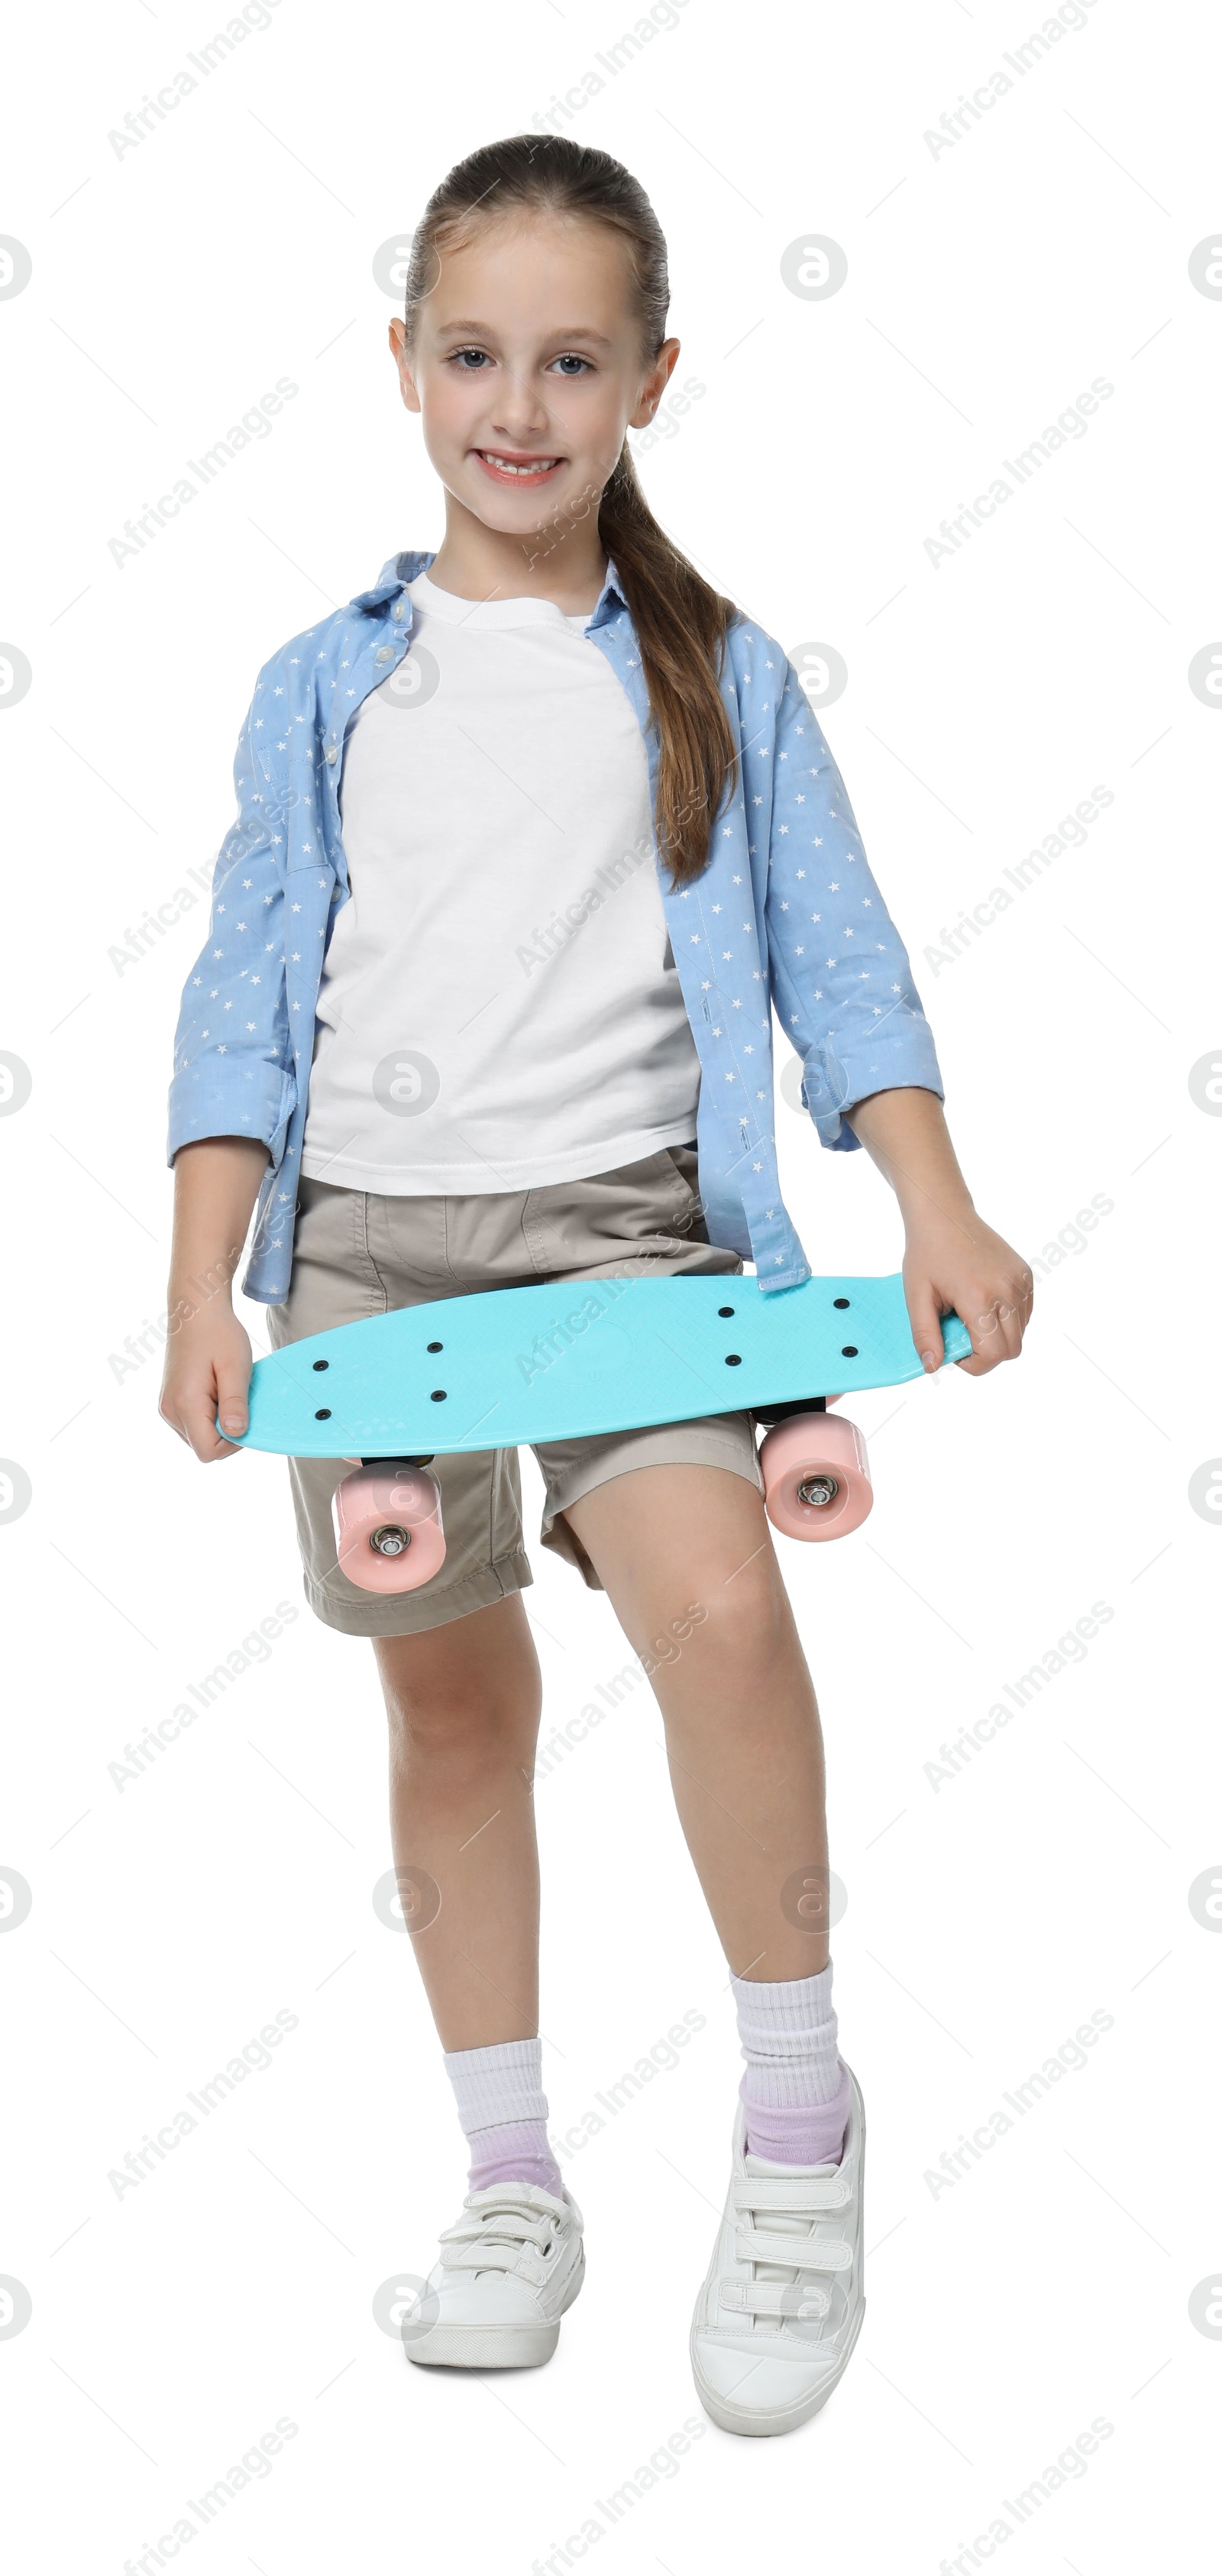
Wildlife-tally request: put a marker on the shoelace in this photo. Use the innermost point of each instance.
(786, 2255)
(502, 2235)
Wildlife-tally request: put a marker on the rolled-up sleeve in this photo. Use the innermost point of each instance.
(842, 987)
(232, 1055)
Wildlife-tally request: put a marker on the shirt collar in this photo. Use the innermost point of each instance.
(399, 569)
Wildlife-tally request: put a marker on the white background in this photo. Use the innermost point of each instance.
(987, 1916)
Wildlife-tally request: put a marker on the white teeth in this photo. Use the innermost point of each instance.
(503, 465)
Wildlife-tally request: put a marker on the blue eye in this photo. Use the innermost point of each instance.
(570, 360)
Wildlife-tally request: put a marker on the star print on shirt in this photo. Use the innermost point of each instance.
(771, 732)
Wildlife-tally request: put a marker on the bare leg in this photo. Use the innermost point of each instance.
(463, 1702)
(742, 1726)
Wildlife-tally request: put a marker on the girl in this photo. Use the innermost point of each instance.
(533, 838)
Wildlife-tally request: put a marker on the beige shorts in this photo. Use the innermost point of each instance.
(357, 1254)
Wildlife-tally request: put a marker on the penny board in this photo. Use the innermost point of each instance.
(569, 1359)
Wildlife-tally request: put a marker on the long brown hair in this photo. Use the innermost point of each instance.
(680, 620)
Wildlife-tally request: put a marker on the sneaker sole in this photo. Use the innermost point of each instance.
(495, 2347)
(780, 2419)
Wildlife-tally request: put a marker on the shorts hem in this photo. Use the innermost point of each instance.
(711, 1450)
(402, 1614)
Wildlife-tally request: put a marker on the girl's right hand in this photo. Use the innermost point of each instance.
(207, 1373)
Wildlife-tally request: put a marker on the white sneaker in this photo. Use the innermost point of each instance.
(509, 2268)
(774, 2325)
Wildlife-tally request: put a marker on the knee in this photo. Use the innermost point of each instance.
(742, 1622)
(457, 1726)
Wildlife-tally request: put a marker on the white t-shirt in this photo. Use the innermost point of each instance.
(499, 1007)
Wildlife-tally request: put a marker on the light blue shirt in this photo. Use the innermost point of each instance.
(785, 917)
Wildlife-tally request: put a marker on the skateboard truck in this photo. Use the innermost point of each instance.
(816, 1476)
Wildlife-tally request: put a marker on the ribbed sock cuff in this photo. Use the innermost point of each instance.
(492, 2085)
(788, 2032)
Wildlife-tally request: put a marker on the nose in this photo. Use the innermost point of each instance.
(519, 409)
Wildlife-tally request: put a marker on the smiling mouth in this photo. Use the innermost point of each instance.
(517, 469)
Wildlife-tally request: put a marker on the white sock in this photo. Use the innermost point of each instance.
(503, 2110)
(796, 2087)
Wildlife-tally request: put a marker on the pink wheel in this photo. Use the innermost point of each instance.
(816, 1476)
(388, 1530)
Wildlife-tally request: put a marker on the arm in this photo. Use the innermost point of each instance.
(230, 1101)
(845, 997)
(953, 1261)
(841, 982)
(207, 1355)
(233, 1061)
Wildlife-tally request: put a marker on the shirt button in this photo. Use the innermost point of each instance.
(398, 608)
(385, 653)
(332, 754)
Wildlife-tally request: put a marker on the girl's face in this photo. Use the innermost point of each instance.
(528, 356)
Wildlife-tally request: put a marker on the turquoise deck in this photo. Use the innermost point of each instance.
(564, 1360)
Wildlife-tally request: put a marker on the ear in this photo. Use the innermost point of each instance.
(654, 385)
(397, 335)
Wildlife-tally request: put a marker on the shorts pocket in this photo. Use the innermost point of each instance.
(689, 1216)
(684, 1159)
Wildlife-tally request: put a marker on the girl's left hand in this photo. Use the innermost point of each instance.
(959, 1266)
